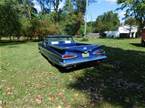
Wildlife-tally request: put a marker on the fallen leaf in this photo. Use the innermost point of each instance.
(59, 106)
(60, 94)
(39, 99)
(9, 91)
(76, 95)
(68, 106)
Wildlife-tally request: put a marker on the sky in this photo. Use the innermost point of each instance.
(101, 6)
(98, 8)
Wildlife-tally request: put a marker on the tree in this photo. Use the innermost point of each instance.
(131, 21)
(68, 7)
(20, 18)
(91, 26)
(107, 22)
(45, 6)
(26, 8)
(80, 6)
(26, 30)
(9, 20)
(49, 5)
(136, 9)
(73, 23)
(72, 13)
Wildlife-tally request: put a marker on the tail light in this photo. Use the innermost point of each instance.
(99, 52)
(68, 56)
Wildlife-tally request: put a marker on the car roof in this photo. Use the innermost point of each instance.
(59, 36)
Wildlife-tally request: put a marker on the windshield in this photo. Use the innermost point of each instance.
(51, 39)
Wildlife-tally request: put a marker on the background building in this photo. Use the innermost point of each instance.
(124, 31)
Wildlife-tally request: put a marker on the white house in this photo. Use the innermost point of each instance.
(123, 31)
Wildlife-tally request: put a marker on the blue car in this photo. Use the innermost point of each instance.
(63, 51)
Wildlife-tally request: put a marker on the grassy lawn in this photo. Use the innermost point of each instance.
(28, 80)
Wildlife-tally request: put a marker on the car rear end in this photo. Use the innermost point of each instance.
(82, 54)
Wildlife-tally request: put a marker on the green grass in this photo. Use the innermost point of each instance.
(28, 80)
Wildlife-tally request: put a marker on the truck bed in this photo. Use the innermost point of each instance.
(75, 47)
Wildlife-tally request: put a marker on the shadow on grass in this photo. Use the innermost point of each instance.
(15, 42)
(74, 68)
(136, 44)
(120, 81)
(78, 67)
(7, 42)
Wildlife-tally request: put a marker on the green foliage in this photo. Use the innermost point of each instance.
(48, 5)
(46, 28)
(131, 21)
(107, 22)
(91, 26)
(9, 20)
(26, 25)
(134, 8)
(48, 25)
(20, 18)
(80, 6)
(38, 27)
(73, 24)
(68, 8)
(81, 31)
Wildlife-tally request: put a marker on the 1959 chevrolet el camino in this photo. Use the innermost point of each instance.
(65, 52)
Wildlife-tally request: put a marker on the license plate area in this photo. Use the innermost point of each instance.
(85, 54)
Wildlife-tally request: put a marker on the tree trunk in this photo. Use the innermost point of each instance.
(130, 34)
(10, 38)
(18, 37)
